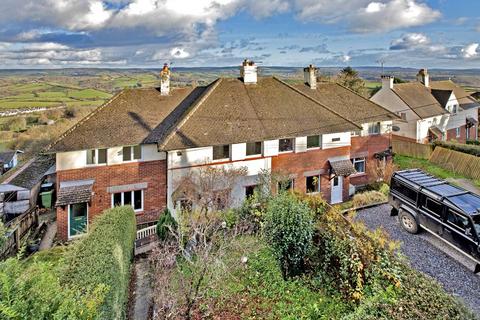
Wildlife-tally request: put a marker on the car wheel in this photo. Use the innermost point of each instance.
(407, 221)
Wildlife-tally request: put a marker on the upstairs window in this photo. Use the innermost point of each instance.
(254, 148)
(374, 128)
(132, 153)
(221, 152)
(285, 145)
(359, 164)
(454, 109)
(313, 142)
(97, 156)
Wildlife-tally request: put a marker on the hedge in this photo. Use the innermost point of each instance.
(465, 148)
(104, 257)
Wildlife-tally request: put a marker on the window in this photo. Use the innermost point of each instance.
(313, 142)
(356, 133)
(454, 109)
(359, 164)
(285, 145)
(408, 193)
(457, 132)
(434, 207)
(254, 148)
(374, 128)
(97, 156)
(313, 184)
(221, 152)
(132, 153)
(458, 221)
(285, 185)
(128, 198)
(250, 190)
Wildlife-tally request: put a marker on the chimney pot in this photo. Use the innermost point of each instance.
(310, 76)
(165, 80)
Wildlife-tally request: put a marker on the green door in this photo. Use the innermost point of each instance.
(78, 219)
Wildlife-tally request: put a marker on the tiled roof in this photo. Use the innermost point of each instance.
(74, 193)
(232, 112)
(465, 100)
(419, 99)
(342, 167)
(127, 119)
(347, 103)
(34, 173)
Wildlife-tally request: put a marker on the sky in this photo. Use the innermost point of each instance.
(209, 33)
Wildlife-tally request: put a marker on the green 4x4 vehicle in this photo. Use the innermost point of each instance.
(448, 212)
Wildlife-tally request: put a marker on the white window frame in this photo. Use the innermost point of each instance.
(133, 200)
(256, 154)
(454, 109)
(318, 186)
(359, 160)
(457, 132)
(374, 125)
(223, 159)
(319, 142)
(288, 151)
(132, 153)
(68, 223)
(96, 157)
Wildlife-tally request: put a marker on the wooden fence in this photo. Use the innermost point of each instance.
(458, 162)
(411, 149)
(17, 230)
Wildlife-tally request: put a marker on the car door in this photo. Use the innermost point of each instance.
(431, 213)
(459, 231)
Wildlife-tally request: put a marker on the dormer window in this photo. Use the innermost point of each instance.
(454, 109)
(96, 156)
(131, 153)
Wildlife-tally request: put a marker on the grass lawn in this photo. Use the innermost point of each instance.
(405, 162)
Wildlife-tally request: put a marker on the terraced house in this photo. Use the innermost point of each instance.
(430, 110)
(134, 149)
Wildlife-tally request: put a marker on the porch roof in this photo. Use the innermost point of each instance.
(342, 167)
(72, 192)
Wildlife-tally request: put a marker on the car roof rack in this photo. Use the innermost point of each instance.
(441, 190)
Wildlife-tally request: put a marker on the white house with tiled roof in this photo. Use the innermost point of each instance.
(430, 110)
(135, 149)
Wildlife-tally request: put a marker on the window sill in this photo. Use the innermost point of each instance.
(313, 193)
(96, 165)
(253, 156)
(283, 152)
(130, 161)
(313, 148)
(221, 160)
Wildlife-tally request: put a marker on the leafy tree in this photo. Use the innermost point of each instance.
(349, 78)
(288, 229)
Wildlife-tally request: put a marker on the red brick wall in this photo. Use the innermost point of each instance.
(299, 163)
(151, 172)
(452, 134)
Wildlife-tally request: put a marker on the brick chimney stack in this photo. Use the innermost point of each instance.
(165, 80)
(310, 76)
(248, 72)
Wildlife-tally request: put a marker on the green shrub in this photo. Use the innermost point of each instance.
(32, 290)
(164, 224)
(288, 229)
(465, 148)
(104, 257)
(475, 142)
(368, 197)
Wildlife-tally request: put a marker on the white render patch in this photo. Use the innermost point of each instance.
(128, 187)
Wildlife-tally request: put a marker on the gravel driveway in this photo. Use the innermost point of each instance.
(424, 255)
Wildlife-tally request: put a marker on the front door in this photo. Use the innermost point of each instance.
(337, 190)
(77, 219)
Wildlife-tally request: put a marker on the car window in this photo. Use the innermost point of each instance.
(476, 223)
(404, 190)
(460, 222)
(434, 207)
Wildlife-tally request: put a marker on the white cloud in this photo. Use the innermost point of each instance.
(179, 53)
(368, 16)
(409, 41)
(470, 51)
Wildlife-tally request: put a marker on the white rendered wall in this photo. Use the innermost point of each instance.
(328, 143)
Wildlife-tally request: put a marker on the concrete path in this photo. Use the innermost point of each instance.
(143, 290)
(466, 184)
(47, 240)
